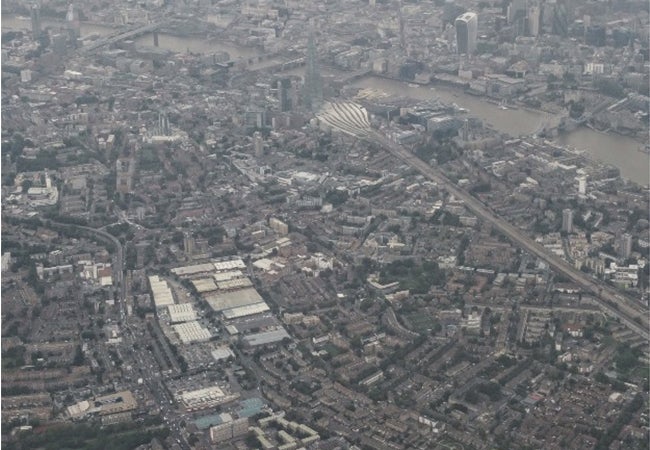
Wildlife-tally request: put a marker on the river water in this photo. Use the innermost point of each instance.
(167, 41)
(197, 45)
(619, 151)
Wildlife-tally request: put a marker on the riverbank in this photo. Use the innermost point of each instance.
(618, 151)
(610, 132)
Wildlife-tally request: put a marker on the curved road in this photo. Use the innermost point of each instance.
(627, 310)
(153, 381)
(118, 264)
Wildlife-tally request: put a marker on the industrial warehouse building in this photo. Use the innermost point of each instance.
(233, 299)
(266, 337)
(236, 283)
(196, 269)
(221, 353)
(228, 275)
(181, 313)
(203, 285)
(189, 332)
(248, 310)
(231, 264)
(162, 295)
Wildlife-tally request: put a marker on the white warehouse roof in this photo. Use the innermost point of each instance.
(205, 398)
(233, 299)
(229, 275)
(247, 310)
(189, 332)
(181, 313)
(234, 284)
(267, 337)
(220, 266)
(193, 270)
(204, 285)
(220, 353)
(162, 295)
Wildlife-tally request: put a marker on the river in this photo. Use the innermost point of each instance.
(619, 151)
(197, 45)
(167, 41)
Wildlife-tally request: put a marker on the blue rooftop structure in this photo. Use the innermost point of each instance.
(206, 422)
(251, 406)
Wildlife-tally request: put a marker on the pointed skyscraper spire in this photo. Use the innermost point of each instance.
(313, 88)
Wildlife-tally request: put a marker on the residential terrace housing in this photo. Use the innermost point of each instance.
(182, 230)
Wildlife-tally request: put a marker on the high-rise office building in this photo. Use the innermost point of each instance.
(313, 88)
(466, 33)
(582, 185)
(124, 171)
(72, 19)
(517, 8)
(596, 36)
(517, 13)
(450, 12)
(284, 94)
(402, 38)
(35, 13)
(560, 19)
(625, 245)
(163, 128)
(534, 14)
(567, 220)
(188, 244)
(258, 143)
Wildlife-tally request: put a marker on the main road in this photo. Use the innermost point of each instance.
(611, 301)
(118, 261)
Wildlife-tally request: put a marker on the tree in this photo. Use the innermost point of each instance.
(610, 88)
(78, 359)
(26, 184)
(193, 440)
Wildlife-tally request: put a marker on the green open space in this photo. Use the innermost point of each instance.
(420, 323)
(88, 437)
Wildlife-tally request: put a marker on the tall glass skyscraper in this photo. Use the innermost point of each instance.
(466, 33)
(36, 22)
(313, 88)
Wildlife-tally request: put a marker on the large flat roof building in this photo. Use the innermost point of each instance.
(248, 310)
(221, 353)
(181, 313)
(266, 337)
(233, 299)
(231, 264)
(236, 283)
(228, 275)
(203, 285)
(162, 295)
(189, 332)
(193, 270)
(116, 403)
(205, 398)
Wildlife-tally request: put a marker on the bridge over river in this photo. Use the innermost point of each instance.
(123, 35)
